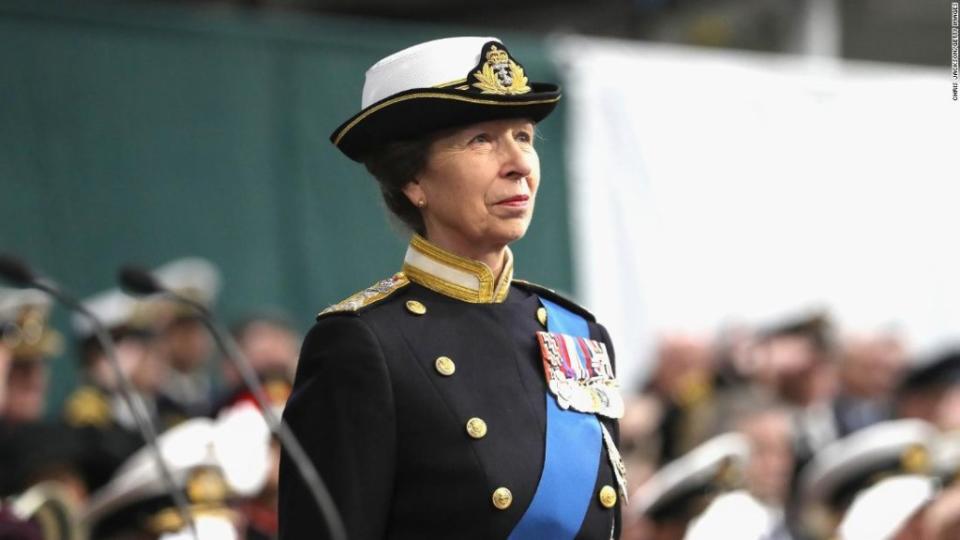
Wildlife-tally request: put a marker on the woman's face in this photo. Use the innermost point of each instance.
(479, 185)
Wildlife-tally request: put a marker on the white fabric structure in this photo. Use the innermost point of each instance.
(710, 187)
(878, 513)
(208, 528)
(733, 516)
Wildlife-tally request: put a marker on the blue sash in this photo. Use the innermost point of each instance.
(571, 455)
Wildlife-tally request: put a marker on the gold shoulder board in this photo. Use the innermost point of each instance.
(87, 406)
(371, 295)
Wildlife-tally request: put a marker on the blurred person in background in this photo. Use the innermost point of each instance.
(795, 360)
(188, 344)
(683, 383)
(640, 446)
(98, 402)
(189, 348)
(768, 428)
(96, 410)
(32, 449)
(930, 389)
(27, 342)
(869, 368)
(269, 340)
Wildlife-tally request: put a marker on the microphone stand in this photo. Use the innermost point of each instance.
(229, 347)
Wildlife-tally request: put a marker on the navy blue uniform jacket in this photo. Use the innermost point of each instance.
(386, 428)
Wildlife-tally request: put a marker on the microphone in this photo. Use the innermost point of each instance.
(136, 280)
(139, 281)
(18, 273)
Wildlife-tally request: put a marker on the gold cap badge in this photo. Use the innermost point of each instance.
(497, 73)
(915, 459)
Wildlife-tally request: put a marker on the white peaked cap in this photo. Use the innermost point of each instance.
(184, 448)
(733, 516)
(441, 84)
(426, 65)
(236, 444)
(878, 513)
(862, 452)
(698, 467)
(194, 274)
(112, 307)
(12, 301)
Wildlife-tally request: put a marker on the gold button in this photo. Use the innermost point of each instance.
(476, 428)
(542, 316)
(445, 366)
(416, 307)
(502, 498)
(608, 497)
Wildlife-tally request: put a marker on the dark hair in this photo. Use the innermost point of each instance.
(394, 165)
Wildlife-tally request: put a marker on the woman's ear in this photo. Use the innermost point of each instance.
(414, 192)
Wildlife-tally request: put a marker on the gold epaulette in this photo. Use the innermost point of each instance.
(88, 406)
(554, 296)
(371, 295)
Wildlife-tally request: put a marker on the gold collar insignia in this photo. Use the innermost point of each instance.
(455, 276)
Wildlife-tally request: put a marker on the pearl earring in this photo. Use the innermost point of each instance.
(421, 203)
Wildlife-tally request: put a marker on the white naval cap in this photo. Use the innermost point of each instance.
(441, 84)
(847, 465)
(879, 512)
(12, 302)
(425, 65)
(113, 307)
(717, 463)
(209, 460)
(195, 277)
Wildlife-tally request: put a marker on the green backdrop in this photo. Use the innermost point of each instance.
(145, 132)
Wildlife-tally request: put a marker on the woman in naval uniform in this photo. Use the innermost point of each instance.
(452, 401)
